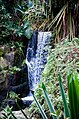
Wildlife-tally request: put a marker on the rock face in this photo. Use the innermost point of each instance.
(18, 82)
(9, 56)
(4, 66)
(3, 73)
(3, 81)
(13, 76)
(4, 49)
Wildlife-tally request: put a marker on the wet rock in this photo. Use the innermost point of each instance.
(21, 89)
(19, 114)
(3, 64)
(14, 104)
(18, 82)
(3, 80)
(4, 49)
(10, 58)
(18, 58)
(3, 73)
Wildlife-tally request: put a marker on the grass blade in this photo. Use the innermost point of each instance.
(40, 107)
(67, 114)
(51, 108)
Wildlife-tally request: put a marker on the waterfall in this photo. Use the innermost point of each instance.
(36, 57)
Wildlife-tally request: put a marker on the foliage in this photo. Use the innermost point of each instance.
(62, 18)
(34, 13)
(13, 95)
(40, 107)
(73, 91)
(10, 26)
(19, 46)
(7, 114)
(14, 69)
(7, 111)
(51, 107)
(66, 110)
(4, 21)
(63, 57)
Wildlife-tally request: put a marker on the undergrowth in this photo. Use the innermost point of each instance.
(64, 56)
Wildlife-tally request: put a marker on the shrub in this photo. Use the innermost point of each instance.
(63, 57)
(73, 92)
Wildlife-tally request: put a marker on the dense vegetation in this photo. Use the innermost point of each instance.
(62, 59)
(18, 20)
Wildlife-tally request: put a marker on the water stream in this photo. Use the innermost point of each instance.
(36, 58)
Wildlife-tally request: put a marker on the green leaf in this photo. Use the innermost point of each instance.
(51, 107)
(40, 107)
(53, 114)
(73, 92)
(67, 114)
(26, 25)
(28, 33)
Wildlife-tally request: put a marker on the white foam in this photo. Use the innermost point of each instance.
(28, 98)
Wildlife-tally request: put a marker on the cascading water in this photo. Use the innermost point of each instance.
(31, 59)
(36, 57)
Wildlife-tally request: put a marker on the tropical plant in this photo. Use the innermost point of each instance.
(40, 108)
(51, 107)
(73, 91)
(19, 46)
(66, 110)
(63, 57)
(34, 13)
(12, 27)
